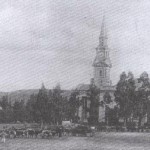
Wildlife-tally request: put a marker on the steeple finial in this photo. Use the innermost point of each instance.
(103, 32)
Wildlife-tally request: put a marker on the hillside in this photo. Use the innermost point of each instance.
(19, 95)
(25, 94)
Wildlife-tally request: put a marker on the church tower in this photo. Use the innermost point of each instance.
(102, 63)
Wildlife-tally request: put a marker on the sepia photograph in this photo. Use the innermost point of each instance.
(74, 74)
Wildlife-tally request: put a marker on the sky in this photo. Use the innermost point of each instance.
(54, 41)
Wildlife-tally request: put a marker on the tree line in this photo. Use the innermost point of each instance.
(48, 106)
(131, 97)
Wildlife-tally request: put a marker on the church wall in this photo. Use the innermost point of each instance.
(97, 78)
(80, 112)
(101, 76)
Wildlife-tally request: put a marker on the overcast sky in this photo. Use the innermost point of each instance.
(54, 41)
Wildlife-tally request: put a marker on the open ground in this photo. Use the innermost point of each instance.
(101, 141)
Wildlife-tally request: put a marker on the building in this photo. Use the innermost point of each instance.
(101, 78)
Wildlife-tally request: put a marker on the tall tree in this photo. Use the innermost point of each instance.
(142, 96)
(42, 105)
(50, 112)
(19, 111)
(121, 97)
(93, 95)
(106, 101)
(131, 96)
(57, 104)
(7, 112)
(73, 106)
(31, 114)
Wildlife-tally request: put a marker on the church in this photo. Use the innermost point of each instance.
(101, 77)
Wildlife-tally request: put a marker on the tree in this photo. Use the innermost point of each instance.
(131, 96)
(50, 110)
(142, 96)
(125, 96)
(93, 95)
(120, 96)
(73, 106)
(6, 113)
(42, 105)
(57, 104)
(107, 98)
(106, 101)
(31, 114)
(19, 111)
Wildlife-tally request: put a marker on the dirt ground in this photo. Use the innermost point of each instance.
(101, 141)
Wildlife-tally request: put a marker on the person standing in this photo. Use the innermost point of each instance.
(3, 136)
(59, 131)
(92, 131)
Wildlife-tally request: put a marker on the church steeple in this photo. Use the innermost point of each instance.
(103, 32)
(102, 62)
(103, 35)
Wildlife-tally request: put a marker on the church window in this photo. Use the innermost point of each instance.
(101, 73)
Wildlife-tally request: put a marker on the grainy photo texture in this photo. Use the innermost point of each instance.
(75, 74)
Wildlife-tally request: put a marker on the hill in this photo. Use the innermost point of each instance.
(25, 94)
(19, 95)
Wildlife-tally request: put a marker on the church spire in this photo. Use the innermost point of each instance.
(103, 35)
(102, 63)
(103, 28)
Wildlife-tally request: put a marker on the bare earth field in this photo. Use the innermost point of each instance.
(101, 141)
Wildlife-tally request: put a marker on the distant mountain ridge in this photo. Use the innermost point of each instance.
(19, 95)
(25, 94)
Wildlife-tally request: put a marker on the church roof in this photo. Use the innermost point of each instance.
(85, 87)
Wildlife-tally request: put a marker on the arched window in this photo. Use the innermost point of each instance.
(101, 73)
